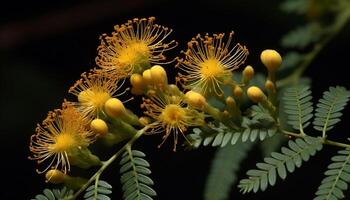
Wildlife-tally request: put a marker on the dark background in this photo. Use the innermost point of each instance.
(46, 45)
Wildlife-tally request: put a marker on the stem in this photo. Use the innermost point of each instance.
(324, 140)
(343, 18)
(105, 164)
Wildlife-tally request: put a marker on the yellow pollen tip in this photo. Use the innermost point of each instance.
(255, 94)
(271, 59)
(99, 127)
(114, 107)
(54, 176)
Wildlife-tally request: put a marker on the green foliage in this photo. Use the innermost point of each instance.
(295, 6)
(329, 108)
(98, 191)
(298, 106)
(222, 135)
(292, 60)
(223, 170)
(54, 194)
(135, 176)
(337, 177)
(279, 163)
(303, 36)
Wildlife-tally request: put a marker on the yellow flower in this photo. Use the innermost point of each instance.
(209, 63)
(61, 132)
(133, 46)
(93, 90)
(171, 116)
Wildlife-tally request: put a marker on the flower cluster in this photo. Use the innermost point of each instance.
(134, 51)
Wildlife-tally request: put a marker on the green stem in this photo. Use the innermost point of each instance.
(324, 140)
(343, 18)
(105, 164)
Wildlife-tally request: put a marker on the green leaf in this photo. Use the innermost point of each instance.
(297, 104)
(135, 176)
(99, 191)
(303, 36)
(54, 194)
(337, 179)
(295, 6)
(224, 169)
(290, 158)
(329, 108)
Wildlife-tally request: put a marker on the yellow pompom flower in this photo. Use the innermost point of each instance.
(171, 116)
(133, 46)
(209, 63)
(61, 132)
(93, 90)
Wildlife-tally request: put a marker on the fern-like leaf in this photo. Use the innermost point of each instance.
(298, 106)
(279, 163)
(302, 36)
(54, 194)
(329, 108)
(223, 170)
(337, 177)
(135, 176)
(98, 191)
(225, 135)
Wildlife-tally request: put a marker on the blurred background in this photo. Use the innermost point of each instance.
(46, 45)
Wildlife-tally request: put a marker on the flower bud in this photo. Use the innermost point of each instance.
(195, 99)
(231, 102)
(55, 176)
(255, 94)
(159, 76)
(271, 59)
(238, 92)
(85, 95)
(114, 107)
(269, 85)
(99, 127)
(147, 76)
(248, 74)
(136, 80)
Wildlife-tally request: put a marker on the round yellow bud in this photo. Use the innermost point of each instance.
(159, 76)
(99, 127)
(271, 59)
(248, 72)
(137, 81)
(55, 176)
(147, 76)
(158, 72)
(238, 92)
(269, 85)
(230, 102)
(114, 107)
(85, 95)
(195, 99)
(255, 94)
